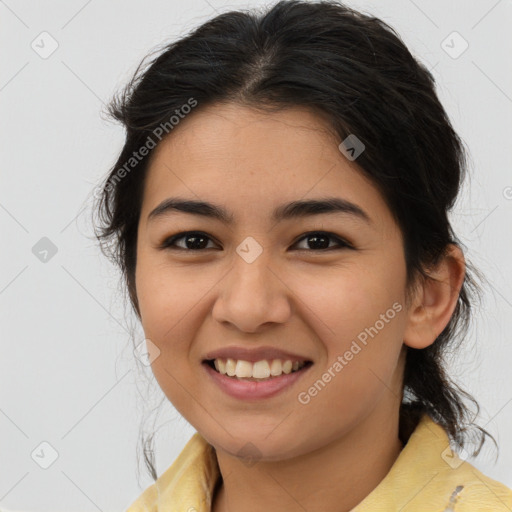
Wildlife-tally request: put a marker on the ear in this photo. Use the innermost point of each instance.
(435, 299)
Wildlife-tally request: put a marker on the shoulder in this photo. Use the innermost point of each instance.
(472, 490)
(190, 480)
(456, 483)
(429, 476)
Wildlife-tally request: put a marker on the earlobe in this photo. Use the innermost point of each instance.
(435, 299)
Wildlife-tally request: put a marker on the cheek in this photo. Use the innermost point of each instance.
(342, 302)
(359, 315)
(167, 294)
(169, 303)
(166, 301)
(174, 302)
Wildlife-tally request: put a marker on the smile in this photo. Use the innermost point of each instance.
(259, 370)
(239, 378)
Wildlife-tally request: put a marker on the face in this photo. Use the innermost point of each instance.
(328, 286)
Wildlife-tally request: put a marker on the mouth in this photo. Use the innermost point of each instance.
(252, 382)
(259, 371)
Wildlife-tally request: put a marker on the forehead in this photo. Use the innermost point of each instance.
(242, 133)
(252, 161)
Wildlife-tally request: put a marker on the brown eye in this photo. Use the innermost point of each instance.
(193, 241)
(319, 241)
(196, 241)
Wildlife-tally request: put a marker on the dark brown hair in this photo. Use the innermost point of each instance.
(355, 71)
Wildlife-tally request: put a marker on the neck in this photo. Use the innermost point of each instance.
(335, 478)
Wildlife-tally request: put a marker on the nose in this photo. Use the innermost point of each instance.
(252, 295)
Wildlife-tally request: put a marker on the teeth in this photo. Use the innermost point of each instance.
(230, 367)
(260, 370)
(275, 367)
(287, 366)
(243, 369)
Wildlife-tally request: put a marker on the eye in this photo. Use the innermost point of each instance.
(197, 240)
(194, 241)
(320, 241)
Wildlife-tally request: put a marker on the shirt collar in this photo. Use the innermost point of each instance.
(426, 476)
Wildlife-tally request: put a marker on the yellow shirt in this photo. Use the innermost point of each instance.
(426, 477)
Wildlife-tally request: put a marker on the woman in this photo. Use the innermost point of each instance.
(280, 214)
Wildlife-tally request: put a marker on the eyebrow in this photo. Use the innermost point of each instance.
(294, 209)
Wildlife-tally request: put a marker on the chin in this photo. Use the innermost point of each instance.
(258, 447)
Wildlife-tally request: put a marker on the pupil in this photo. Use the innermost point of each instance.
(320, 245)
(314, 241)
(195, 244)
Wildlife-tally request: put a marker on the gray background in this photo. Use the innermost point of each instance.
(68, 371)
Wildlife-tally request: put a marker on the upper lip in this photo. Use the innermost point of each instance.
(254, 354)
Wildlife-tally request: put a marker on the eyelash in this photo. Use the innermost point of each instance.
(167, 244)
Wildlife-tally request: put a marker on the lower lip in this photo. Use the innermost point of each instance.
(252, 390)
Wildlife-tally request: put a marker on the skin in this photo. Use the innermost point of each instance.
(329, 454)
